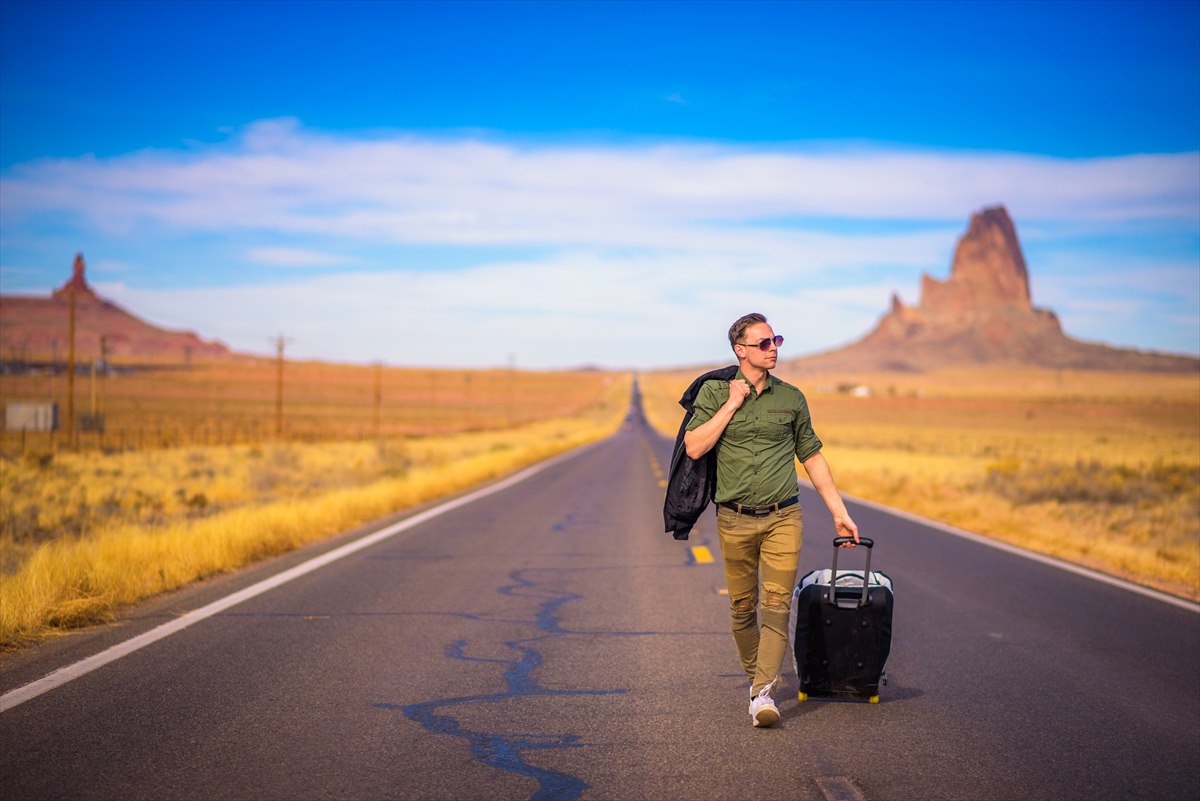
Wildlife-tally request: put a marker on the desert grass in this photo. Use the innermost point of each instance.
(128, 526)
(1101, 469)
(235, 402)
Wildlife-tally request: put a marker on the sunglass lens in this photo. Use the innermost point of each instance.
(765, 344)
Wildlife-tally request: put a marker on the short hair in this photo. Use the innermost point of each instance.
(741, 324)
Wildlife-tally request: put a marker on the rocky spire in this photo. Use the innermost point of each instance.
(982, 314)
(77, 281)
(988, 271)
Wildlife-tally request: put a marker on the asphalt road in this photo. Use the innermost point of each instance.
(550, 642)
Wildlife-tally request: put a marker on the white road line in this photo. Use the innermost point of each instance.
(71, 672)
(1078, 570)
(838, 788)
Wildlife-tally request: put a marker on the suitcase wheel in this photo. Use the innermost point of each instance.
(874, 699)
(802, 697)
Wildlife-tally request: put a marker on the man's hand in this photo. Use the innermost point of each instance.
(701, 439)
(738, 390)
(843, 526)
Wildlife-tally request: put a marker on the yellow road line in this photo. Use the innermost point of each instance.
(655, 467)
(701, 554)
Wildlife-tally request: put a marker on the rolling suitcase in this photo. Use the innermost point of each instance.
(843, 630)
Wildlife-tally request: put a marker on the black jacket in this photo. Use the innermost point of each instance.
(691, 483)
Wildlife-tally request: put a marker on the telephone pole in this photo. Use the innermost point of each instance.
(104, 375)
(71, 363)
(92, 415)
(378, 395)
(279, 343)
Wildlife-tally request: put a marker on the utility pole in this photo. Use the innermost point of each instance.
(467, 380)
(71, 364)
(104, 375)
(378, 401)
(279, 342)
(512, 366)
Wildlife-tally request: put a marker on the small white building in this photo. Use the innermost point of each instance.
(31, 416)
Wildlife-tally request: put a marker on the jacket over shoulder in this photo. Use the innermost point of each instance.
(691, 483)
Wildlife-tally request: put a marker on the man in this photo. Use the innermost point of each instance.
(760, 426)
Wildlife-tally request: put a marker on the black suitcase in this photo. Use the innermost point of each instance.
(843, 630)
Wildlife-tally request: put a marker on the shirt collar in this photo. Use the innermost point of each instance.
(771, 380)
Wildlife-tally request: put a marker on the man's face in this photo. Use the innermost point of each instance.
(750, 351)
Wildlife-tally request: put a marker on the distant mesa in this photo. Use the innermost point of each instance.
(34, 329)
(983, 314)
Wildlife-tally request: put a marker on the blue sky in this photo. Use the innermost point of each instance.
(553, 184)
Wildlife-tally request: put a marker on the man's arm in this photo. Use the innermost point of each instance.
(701, 439)
(822, 480)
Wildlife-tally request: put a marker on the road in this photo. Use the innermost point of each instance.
(548, 641)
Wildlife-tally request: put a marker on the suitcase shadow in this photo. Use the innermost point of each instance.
(891, 694)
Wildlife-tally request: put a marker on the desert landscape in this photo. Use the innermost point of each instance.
(973, 408)
(199, 460)
(341, 355)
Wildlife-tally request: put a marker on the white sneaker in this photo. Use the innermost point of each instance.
(762, 708)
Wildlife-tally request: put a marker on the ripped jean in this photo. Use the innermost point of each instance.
(766, 548)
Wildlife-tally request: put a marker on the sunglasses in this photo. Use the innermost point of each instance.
(765, 344)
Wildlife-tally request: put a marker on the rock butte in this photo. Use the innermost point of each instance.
(36, 329)
(983, 314)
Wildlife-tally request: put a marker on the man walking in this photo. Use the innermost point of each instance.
(759, 426)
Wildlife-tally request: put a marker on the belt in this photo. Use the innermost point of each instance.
(760, 511)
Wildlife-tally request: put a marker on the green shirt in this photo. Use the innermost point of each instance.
(756, 454)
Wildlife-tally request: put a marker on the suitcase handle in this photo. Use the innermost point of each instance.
(837, 543)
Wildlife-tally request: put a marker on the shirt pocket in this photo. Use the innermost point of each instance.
(739, 430)
(779, 426)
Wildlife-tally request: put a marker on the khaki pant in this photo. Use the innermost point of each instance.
(766, 548)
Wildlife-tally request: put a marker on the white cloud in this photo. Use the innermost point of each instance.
(566, 310)
(282, 179)
(293, 257)
(647, 251)
(1116, 278)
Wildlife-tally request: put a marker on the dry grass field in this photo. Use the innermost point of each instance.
(1102, 469)
(231, 402)
(84, 531)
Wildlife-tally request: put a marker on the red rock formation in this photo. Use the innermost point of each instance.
(982, 314)
(988, 271)
(35, 329)
(77, 282)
